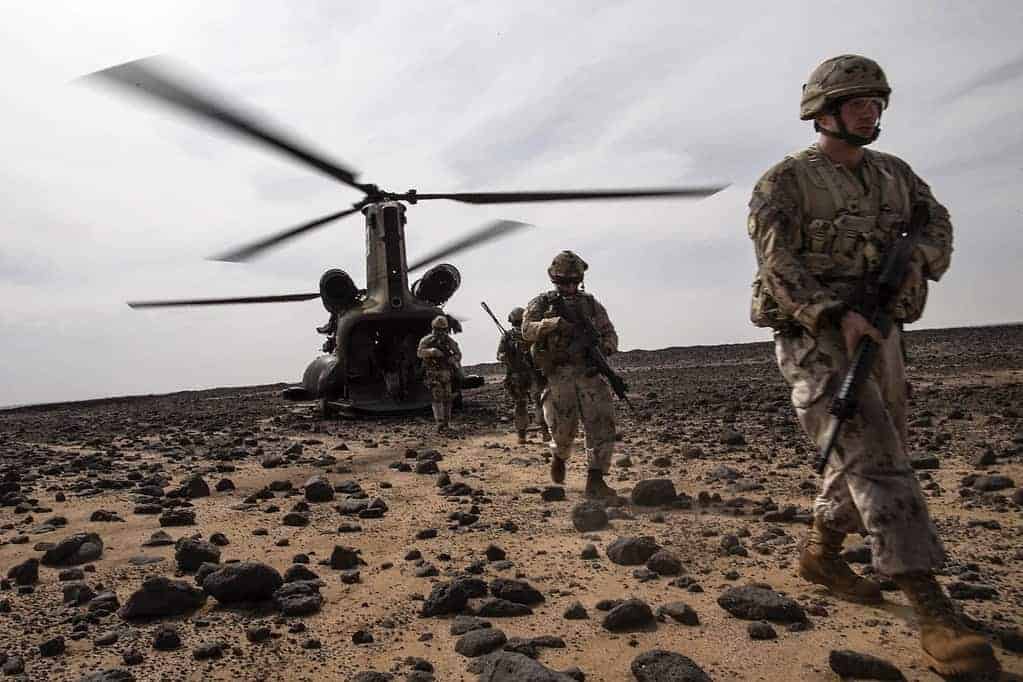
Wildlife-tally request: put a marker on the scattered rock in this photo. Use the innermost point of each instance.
(632, 551)
(658, 665)
(852, 664)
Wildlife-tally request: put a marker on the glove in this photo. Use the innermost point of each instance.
(550, 324)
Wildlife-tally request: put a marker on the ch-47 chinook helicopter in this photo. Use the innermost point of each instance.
(369, 365)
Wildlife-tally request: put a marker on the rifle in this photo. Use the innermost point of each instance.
(493, 317)
(589, 342)
(881, 296)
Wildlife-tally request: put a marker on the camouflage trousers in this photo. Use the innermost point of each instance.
(524, 389)
(869, 486)
(572, 394)
(440, 386)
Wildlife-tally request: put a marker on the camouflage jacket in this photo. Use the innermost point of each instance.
(821, 230)
(513, 352)
(443, 342)
(557, 348)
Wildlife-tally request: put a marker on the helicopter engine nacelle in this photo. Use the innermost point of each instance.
(337, 291)
(438, 284)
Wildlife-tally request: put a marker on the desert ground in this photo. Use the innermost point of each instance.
(416, 557)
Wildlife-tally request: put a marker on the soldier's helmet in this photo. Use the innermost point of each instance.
(516, 315)
(842, 77)
(440, 323)
(566, 268)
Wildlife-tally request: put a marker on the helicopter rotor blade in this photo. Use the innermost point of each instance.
(223, 301)
(573, 195)
(253, 249)
(152, 77)
(490, 231)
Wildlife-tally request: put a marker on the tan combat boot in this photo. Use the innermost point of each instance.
(820, 563)
(950, 649)
(557, 470)
(595, 486)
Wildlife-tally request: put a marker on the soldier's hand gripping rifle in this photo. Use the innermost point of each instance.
(882, 295)
(588, 341)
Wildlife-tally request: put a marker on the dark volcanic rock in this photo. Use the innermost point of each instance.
(194, 487)
(502, 608)
(166, 639)
(243, 581)
(632, 551)
(478, 642)
(299, 598)
(508, 666)
(654, 492)
(759, 603)
(345, 558)
(679, 612)
(989, 484)
(109, 675)
(859, 666)
(450, 597)
(589, 516)
(160, 596)
(77, 549)
(761, 630)
(666, 666)
(518, 591)
(191, 553)
(664, 562)
(631, 614)
(319, 489)
(177, 517)
(25, 573)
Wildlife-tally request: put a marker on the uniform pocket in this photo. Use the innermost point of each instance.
(805, 367)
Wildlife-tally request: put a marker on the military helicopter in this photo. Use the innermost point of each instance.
(369, 365)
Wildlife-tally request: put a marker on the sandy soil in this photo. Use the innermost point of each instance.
(966, 416)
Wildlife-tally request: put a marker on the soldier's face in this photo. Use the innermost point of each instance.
(861, 114)
(567, 288)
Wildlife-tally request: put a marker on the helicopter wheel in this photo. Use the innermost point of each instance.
(327, 411)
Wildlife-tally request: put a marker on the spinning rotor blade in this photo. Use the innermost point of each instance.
(147, 77)
(244, 253)
(223, 301)
(494, 230)
(572, 195)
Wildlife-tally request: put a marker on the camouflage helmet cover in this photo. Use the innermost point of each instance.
(567, 267)
(516, 315)
(439, 322)
(848, 75)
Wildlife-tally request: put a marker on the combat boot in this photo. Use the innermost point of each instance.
(595, 486)
(522, 436)
(949, 648)
(557, 470)
(821, 563)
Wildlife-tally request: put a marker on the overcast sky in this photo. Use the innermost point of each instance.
(108, 199)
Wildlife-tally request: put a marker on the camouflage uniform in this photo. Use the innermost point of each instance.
(818, 234)
(522, 381)
(820, 230)
(440, 372)
(575, 390)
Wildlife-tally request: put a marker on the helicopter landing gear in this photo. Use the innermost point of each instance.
(327, 409)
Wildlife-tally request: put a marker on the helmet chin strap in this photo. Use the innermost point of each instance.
(843, 133)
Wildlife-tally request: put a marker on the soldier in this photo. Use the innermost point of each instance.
(522, 380)
(820, 222)
(441, 358)
(574, 388)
